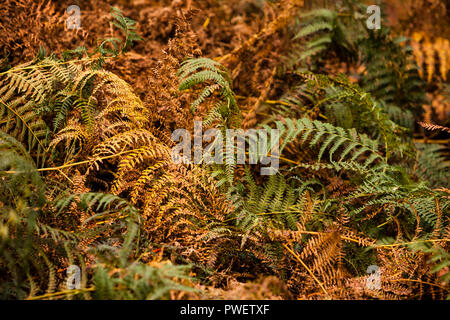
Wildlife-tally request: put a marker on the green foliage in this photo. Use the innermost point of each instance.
(128, 27)
(432, 165)
(271, 205)
(324, 31)
(49, 86)
(348, 106)
(349, 173)
(439, 260)
(395, 193)
(117, 275)
(391, 74)
(197, 71)
(22, 256)
(138, 281)
(330, 138)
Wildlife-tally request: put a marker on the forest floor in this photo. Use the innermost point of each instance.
(86, 135)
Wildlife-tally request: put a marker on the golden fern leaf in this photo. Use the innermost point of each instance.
(427, 53)
(434, 127)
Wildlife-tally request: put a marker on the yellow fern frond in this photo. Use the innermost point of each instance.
(428, 52)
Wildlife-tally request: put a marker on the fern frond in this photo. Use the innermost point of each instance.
(432, 165)
(331, 138)
(203, 70)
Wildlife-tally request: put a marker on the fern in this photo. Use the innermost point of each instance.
(439, 259)
(321, 30)
(432, 165)
(87, 178)
(128, 26)
(200, 70)
(140, 282)
(390, 74)
(330, 138)
(411, 201)
(426, 50)
(22, 242)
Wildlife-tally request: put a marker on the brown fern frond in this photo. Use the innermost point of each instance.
(434, 127)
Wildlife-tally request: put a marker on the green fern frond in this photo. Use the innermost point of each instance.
(203, 70)
(432, 165)
(330, 138)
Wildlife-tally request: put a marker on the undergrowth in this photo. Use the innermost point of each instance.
(87, 178)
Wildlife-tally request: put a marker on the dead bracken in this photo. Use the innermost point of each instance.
(93, 205)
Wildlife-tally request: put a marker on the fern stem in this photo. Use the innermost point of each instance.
(60, 293)
(431, 141)
(51, 65)
(420, 281)
(406, 243)
(25, 124)
(73, 164)
(306, 267)
(319, 233)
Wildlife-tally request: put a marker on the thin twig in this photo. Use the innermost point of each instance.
(306, 267)
(61, 293)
